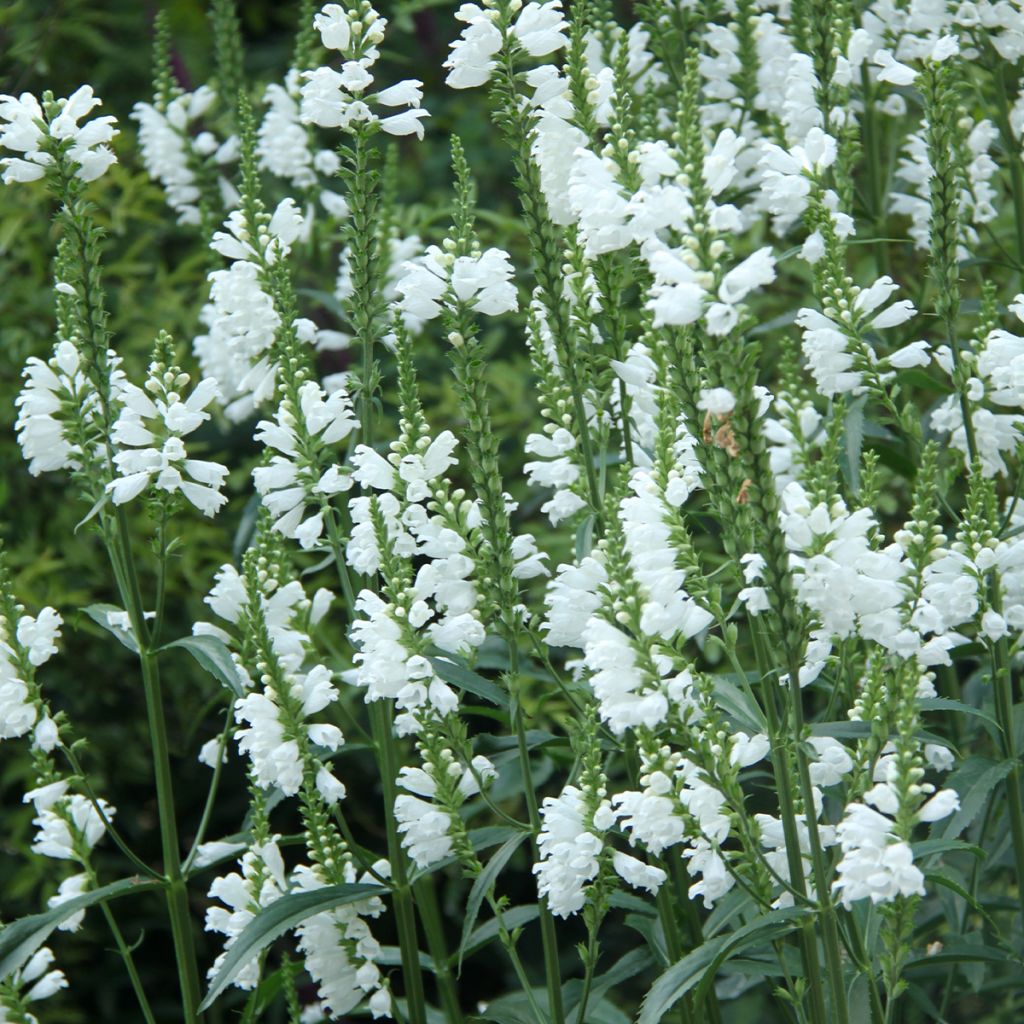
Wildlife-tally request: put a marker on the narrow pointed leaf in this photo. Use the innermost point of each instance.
(281, 916)
(21, 938)
(213, 656)
(482, 884)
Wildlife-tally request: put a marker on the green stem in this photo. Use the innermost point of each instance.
(426, 903)
(1003, 687)
(177, 895)
(129, 964)
(580, 1015)
(381, 719)
(787, 812)
(211, 797)
(549, 940)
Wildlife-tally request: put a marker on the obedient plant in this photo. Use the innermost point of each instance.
(689, 693)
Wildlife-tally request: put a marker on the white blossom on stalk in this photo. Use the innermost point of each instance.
(274, 714)
(572, 597)
(339, 99)
(425, 819)
(61, 422)
(240, 317)
(259, 881)
(37, 980)
(24, 646)
(149, 433)
(788, 175)
(296, 483)
(26, 129)
(838, 357)
(283, 142)
(482, 281)
(339, 949)
(572, 842)
(539, 29)
(569, 850)
(67, 825)
(172, 149)
(998, 380)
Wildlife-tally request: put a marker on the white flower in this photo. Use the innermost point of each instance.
(296, 483)
(471, 60)
(243, 894)
(149, 432)
(568, 850)
(541, 28)
(170, 148)
(85, 145)
(482, 281)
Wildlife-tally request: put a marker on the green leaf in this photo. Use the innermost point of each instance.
(585, 538)
(698, 969)
(628, 966)
(213, 656)
(481, 884)
(933, 847)
(281, 916)
(945, 704)
(99, 614)
(963, 953)
(97, 507)
(515, 917)
(479, 839)
(20, 939)
(841, 730)
(853, 443)
(466, 679)
(738, 704)
(974, 781)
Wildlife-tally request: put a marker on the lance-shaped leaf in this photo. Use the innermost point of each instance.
(281, 916)
(21, 938)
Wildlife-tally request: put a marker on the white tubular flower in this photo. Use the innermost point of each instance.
(833, 342)
(243, 894)
(875, 863)
(851, 587)
(149, 432)
(787, 175)
(668, 610)
(538, 30)
(21, 709)
(297, 483)
(472, 55)
(36, 980)
(678, 292)
(285, 226)
(572, 597)
(241, 324)
(283, 143)
(68, 826)
(37, 135)
(628, 696)
(56, 394)
(599, 203)
(171, 149)
(339, 99)
(389, 666)
(339, 949)
(482, 282)
(999, 381)
(569, 850)
(274, 721)
(427, 812)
